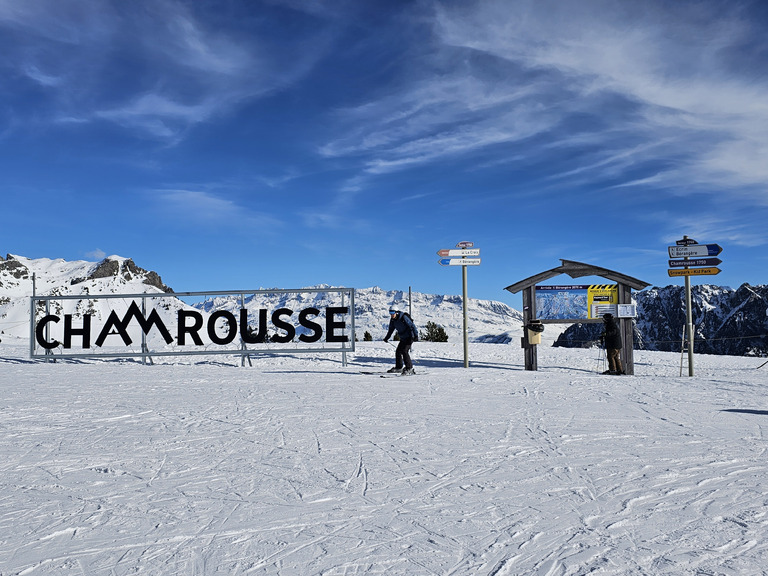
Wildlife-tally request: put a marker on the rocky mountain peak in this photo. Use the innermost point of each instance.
(126, 269)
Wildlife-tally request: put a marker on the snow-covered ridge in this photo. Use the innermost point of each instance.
(22, 277)
(726, 321)
(488, 321)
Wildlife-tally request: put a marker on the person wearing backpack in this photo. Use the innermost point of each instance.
(406, 331)
(611, 336)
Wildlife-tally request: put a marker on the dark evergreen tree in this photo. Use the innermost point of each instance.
(434, 333)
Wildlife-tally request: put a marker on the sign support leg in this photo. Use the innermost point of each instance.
(529, 313)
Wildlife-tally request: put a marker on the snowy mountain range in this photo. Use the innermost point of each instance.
(488, 321)
(726, 321)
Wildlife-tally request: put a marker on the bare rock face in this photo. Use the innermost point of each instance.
(14, 268)
(105, 269)
(125, 269)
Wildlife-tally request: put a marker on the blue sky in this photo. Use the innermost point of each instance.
(235, 144)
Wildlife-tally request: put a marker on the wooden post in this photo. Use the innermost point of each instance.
(627, 332)
(529, 313)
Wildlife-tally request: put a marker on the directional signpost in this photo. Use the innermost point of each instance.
(459, 261)
(701, 265)
(461, 257)
(697, 262)
(694, 272)
(460, 253)
(694, 250)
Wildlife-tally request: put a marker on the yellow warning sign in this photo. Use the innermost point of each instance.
(602, 299)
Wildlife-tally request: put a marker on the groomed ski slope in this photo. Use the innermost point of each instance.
(300, 466)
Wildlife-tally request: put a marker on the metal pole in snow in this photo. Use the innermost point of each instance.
(32, 317)
(466, 336)
(689, 320)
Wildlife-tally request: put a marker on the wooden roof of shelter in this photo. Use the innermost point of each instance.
(577, 270)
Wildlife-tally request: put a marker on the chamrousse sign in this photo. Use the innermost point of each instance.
(244, 322)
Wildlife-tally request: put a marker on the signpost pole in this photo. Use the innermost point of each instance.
(463, 249)
(686, 249)
(688, 314)
(689, 322)
(466, 335)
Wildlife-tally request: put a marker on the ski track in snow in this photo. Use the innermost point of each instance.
(298, 465)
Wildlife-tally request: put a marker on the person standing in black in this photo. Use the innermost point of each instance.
(611, 336)
(407, 332)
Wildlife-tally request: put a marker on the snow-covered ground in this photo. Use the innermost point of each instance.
(301, 466)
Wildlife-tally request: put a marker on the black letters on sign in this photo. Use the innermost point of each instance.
(40, 332)
(222, 327)
(331, 325)
(69, 331)
(253, 336)
(317, 330)
(280, 324)
(182, 328)
(231, 322)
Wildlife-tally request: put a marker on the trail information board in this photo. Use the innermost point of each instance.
(579, 302)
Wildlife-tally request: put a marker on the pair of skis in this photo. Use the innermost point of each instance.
(387, 374)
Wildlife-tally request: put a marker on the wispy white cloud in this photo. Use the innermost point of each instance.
(652, 83)
(441, 116)
(42, 78)
(157, 115)
(199, 208)
(722, 227)
(182, 39)
(155, 67)
(66, 22)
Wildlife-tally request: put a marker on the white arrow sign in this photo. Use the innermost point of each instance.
(470, 252)
(459, 262)
(694, 250)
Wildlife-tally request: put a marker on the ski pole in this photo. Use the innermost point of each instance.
(605, 360)
(601, 357)
(600, 363)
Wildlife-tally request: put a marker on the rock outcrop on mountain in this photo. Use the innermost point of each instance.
(125, 268)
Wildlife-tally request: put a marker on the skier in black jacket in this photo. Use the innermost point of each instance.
(407, 332)
(612, 337)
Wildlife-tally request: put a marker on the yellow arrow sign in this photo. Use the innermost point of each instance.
(694, 272)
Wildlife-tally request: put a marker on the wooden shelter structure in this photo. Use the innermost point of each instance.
(577, 270)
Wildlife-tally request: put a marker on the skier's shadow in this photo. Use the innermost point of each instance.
(746, 411)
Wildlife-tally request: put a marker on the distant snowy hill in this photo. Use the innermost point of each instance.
(488, 321)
